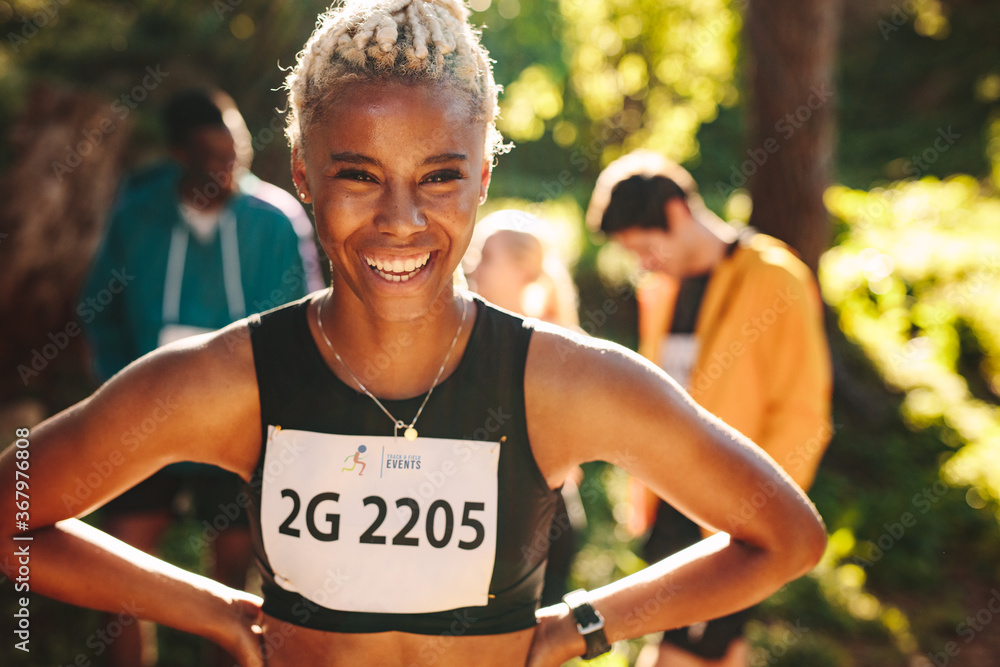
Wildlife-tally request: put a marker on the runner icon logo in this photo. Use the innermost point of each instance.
(356, 459)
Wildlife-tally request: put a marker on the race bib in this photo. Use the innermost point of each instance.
(380, 524)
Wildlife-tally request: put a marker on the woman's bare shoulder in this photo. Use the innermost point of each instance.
(194, 399)
(570, 361)
(585, 395)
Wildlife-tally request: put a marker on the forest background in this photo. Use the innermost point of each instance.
(907, 246)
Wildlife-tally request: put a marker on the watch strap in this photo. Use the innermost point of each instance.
(589, 623)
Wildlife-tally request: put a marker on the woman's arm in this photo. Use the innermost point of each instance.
(587, 400)
(194, 401)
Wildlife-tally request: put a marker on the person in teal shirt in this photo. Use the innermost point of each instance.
(185, 252)
(246, 260)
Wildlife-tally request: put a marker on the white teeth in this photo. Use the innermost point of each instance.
(395, 277)
(396, 269)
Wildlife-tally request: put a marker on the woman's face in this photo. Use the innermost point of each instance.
(395, 173)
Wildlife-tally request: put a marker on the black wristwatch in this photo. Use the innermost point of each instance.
(589, 623)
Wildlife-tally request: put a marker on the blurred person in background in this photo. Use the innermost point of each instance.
(192, 254)
(510, 264)
(165, 173)
(736, 319)
(250, 184)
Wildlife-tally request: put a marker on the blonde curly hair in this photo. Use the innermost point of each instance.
(392, 40)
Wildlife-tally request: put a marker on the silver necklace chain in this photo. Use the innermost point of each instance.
(410, 432)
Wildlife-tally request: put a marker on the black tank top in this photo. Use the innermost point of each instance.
(481, 401)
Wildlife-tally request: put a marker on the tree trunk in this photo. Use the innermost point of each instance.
(70, 148)
(792, 44)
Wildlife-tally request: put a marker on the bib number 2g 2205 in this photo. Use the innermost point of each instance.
(437, 536)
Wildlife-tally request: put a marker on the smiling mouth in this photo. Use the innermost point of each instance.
(397, 269)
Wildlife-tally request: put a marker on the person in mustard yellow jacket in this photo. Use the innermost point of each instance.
(736, 319)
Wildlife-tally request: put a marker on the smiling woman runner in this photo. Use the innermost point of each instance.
(466, 418)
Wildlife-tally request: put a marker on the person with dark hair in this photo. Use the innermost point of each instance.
(735, 318)
(193, 255)
(471, 417)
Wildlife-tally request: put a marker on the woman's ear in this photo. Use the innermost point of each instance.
(299, 176)
(484, 180)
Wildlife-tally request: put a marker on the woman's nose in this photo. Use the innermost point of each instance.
(399, 212)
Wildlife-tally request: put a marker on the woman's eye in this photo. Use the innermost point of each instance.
(444, 176)
(355, 175)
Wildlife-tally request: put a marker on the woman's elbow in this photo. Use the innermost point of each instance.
(809, 545)
(793, 537)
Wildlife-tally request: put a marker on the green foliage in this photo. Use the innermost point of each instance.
(586, 81)
(910, 494)
(106, 46)
(656, 69)
(908, 72)
(919, 265)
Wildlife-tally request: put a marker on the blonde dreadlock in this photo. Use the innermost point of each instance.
(409, 40)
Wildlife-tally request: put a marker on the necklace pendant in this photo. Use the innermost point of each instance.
(410, 434)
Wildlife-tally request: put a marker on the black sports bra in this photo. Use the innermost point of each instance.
(357, 531)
